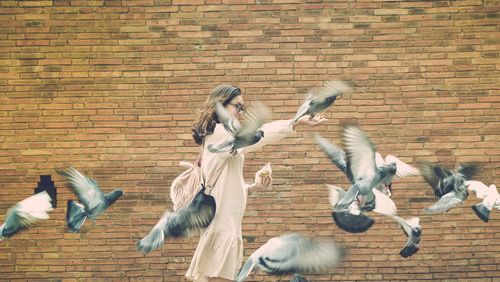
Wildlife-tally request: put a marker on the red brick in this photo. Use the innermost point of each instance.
(109, 87)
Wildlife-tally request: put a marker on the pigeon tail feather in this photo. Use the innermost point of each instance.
(482, 212)
(152, 241)
(245, 270)
(75, 216)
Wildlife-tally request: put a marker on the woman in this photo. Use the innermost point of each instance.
(220, 250)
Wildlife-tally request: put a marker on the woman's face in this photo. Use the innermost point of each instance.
(236, 107)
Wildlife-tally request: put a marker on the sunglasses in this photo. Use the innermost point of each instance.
(239, 107)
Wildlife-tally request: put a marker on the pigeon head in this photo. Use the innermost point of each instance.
(417, 230)
(259, 134)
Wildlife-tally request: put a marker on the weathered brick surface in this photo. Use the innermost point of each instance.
(109, 87)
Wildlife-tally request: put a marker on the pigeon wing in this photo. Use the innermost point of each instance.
(253, 120)
(231, 124)
(85, 188)
(445, 203)
(360, 152)
(299, 254)
(26, 213)
(336, 155)
(478, 187)
(403, 169)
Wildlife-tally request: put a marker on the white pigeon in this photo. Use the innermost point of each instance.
(490, 196)
(292, 253)
(26, 213)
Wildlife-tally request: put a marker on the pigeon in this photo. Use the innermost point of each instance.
(298, 278)
(355, 220)
(413, 231)
(26, 213)
(448, 186)
(94, 202)
(360, 155)
(402, 170)
(292, 253)
(319, 99)
(338, 157)
(490, 196)
(181, 223)
(244, 134)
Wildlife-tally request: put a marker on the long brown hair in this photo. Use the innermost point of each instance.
(207, 118)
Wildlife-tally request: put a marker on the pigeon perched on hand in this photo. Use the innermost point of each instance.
(245, 133)
(94, 202)
(319, 99)
(402, 170)
(490, 196)
(197, 215)
(292, 253)
(26, 213)
(360, 157)
(448, 186)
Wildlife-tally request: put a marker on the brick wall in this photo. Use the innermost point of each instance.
(110, 87)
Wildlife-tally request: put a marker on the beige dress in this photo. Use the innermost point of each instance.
(220, 249)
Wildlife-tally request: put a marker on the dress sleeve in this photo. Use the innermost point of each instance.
(273, 132)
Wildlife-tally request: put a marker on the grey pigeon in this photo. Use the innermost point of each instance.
(402, 170)
(197, 215)
(448, 186)
(298, 278)
(352, 220)
(355, 220)
(94, 202)
(26, 213)
(360, 154)
(319, 99)
(292, 253)
(490, 196)
(245, 133)
(413, 231)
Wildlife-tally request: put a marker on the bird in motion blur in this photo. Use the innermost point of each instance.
(94, 201)
(26, 213)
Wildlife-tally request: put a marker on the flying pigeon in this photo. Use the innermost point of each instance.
(292, 253)
(402, 170)
(355, 220)
(94, 202)
(413, 231)
(360, 155)
(197, 215)
(26, 213)
(448, 186)
(319, 99)
(490, 196)
(298, 278)
(244, 134)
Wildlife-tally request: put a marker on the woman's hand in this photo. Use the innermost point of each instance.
(262, 183)
(309, 120)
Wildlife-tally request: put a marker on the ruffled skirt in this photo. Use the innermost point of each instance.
(222, 255)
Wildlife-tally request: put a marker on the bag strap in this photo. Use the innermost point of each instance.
(212, 179)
